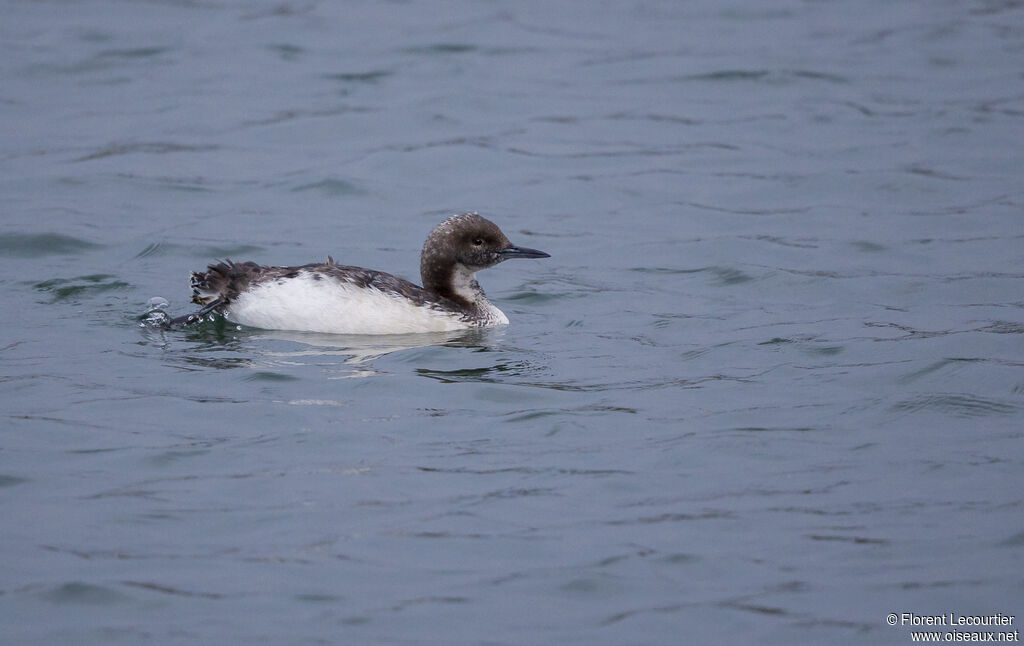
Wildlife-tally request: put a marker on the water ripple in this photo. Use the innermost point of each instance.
(63, 289)
(170, 590)
(34, 245)
(957, 405)
(77, 592)
(145, 147)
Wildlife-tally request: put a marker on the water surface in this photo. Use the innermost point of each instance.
(768, 387)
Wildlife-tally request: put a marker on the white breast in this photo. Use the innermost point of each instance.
(335, 307)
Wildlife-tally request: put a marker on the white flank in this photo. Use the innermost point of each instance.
(335, 307)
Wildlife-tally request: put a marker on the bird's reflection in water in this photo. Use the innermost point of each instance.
(358, 352)
(216, 343)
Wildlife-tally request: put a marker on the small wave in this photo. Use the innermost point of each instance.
(287, 51)
(358, 77)
(331, 186)
(138, 52)
(171, 590)
(149, 147)
(773, 77)
(33, 245)
(957, 405)
(10, 481)
(84, 593)
(729, 275)
(63, 289)
(1004, 327)
(441, 48)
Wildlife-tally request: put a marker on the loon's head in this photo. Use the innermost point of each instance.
(462, 245)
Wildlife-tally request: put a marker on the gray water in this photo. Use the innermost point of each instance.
(768, 389)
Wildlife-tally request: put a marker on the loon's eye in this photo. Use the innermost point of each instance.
(478, 242)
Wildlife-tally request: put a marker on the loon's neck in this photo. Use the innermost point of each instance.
(458, 284)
